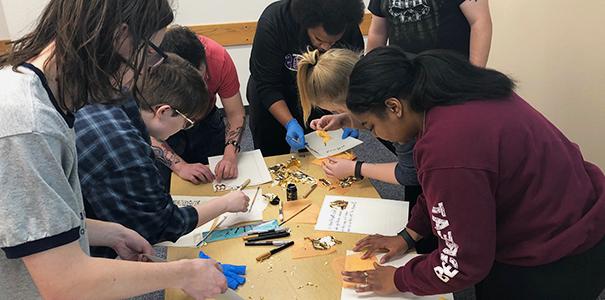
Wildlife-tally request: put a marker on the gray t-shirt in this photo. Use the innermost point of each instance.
(40, 200)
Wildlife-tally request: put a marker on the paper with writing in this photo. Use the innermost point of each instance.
(363, 215)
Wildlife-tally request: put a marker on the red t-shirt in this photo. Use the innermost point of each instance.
(500, 183)
(221, 73)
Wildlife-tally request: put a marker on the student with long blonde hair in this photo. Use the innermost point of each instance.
(322, 81)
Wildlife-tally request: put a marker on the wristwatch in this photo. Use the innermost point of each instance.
(235, 144)
(408, 239)
(358, 165)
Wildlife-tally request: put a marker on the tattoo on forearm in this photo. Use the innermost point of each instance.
(234, 134)
(165, 155)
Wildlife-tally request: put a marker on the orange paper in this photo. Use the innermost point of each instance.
(308, 216)
(304, 248)
(352, 263)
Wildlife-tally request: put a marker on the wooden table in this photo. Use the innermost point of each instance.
(280, 277)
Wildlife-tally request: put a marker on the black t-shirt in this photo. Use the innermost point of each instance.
(278, 43)
(419, 25)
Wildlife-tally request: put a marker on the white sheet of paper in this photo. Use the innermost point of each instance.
(191, 239)
(363, 215)
(250, 165)
(350, 294)
(336, 145)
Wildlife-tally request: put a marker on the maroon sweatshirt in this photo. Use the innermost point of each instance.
(501, 183)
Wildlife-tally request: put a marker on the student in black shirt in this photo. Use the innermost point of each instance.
(464, 26)
(286, 29)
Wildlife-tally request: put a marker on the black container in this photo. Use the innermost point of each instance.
(291, 192)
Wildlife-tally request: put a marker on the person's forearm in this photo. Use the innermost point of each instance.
(235, 121)
(378, 33)
(281, 112)
(481, 39)
(381, 172)
(79, 276)
(165, 154)
(101, 233)
(210, 210)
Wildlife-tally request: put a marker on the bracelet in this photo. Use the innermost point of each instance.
(407, 238)
(235, 144)
(358, 165)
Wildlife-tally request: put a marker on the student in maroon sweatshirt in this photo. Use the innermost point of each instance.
(518, 212)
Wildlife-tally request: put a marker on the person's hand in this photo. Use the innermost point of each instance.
(129, 244)
(295, 135)
(338, 168)
(331, 122)
(236, 201)
(372, 244)
(380, 281)
(194, 173)
(350, 132)
(227, 167)
(203, 278)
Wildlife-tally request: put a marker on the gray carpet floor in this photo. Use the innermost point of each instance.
(371, 151)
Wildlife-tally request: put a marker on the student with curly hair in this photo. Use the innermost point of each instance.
(286, 29)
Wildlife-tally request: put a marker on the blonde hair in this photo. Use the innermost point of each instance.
(324, 77)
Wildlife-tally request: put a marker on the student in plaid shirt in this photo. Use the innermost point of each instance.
(120, 182)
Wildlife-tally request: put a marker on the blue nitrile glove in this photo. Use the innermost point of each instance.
(295, 135)
(349, 132)
(232, 273)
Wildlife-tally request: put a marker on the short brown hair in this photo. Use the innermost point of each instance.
(177, 83)
(85, 37)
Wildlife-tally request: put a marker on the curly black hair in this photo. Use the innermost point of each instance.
(334, 15)
(184, 43)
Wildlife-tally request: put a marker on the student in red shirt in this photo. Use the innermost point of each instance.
(518, 212)
(186, 153)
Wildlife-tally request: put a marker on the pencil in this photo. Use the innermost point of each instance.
(281, 211)
(244, 184)
(211, 231)
(254, 199)
(296, 214)
(310, 191)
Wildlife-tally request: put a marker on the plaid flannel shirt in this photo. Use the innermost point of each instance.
(120, 182)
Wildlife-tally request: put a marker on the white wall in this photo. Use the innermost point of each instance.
(4, 35)
(21, 15)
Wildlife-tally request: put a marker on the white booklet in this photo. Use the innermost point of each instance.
(362, 215)
(334, 144)
(250, 165)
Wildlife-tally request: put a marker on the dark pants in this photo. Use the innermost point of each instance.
(195, 145)
(575, 277)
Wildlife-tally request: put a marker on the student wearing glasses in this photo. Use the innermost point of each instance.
(186, 152)
(120, 182)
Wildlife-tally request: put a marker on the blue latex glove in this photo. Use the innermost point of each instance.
(232, 273)
(349, 132)
(295, 135)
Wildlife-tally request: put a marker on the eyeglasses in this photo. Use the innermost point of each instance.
(188, 122)
(155, 57)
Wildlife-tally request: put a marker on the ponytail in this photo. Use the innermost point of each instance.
(324, 78)
(432, 78)
(303, 79)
